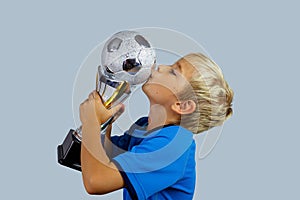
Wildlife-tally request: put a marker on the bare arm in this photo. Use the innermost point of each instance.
(99, 174)
(107, 141)
(108, 146)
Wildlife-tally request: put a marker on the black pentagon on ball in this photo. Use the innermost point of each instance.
(142, 41)
(114, 45)
(131, 65)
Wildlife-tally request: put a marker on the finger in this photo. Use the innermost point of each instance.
(96, 95)
(81, 107)
(118, 113)
(91, 96)
(85, 101)
(117, 110)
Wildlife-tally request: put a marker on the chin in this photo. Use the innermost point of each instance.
(146, 89)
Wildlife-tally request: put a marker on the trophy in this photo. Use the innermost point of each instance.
(126, 61)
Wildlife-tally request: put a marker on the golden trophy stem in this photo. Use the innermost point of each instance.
(121, 89)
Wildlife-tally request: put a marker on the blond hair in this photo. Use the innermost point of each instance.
(211, 93)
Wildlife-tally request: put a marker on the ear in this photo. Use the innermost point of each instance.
(184, 107)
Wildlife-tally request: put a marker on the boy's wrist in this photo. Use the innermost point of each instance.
(90, 120)
(91, 124)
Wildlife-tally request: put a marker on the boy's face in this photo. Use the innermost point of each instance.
(167, 81)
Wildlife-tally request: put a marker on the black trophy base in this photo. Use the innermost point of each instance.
(68, 152)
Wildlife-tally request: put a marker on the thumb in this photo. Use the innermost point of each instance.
(97, 96)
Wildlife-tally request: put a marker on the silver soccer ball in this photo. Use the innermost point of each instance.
(128, 56)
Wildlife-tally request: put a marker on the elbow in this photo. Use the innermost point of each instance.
(90, 189)
(93, 186)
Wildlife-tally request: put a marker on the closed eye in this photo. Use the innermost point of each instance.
(172, 71)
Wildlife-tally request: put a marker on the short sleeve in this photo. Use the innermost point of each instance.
(119, 143)
(156, 163)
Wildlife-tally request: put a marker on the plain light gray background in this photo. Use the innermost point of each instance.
(256, 43)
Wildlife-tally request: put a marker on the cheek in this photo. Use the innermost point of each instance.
(158, 92)
(151, 90)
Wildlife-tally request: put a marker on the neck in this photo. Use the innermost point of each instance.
(160, 115)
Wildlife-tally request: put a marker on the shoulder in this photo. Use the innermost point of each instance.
(169, 139)
(170, 132)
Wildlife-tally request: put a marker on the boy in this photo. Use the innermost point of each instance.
(155, 159)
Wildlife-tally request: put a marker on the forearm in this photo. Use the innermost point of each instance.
(91, 141)
(99, 174)
(97, 169)
(107, 141)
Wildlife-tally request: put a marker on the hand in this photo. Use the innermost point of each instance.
(93, 110)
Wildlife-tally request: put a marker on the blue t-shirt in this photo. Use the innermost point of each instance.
(156, 164)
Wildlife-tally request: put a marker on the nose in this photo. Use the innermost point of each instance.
(161, 67)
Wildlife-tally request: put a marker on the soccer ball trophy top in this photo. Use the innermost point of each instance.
(128, 56)
(126, 61)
